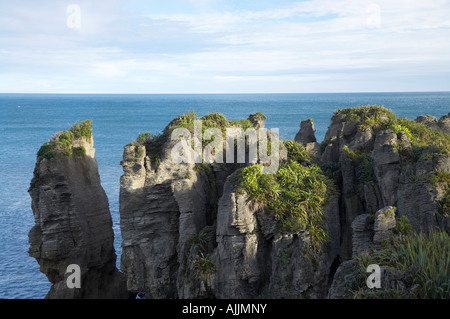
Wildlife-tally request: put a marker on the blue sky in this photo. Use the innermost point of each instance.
(215, 46)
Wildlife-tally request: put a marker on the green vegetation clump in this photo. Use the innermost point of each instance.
(261, 116)
(154, 143)
(295, 194)
(78, 151)
(369, 115)
(424, 141)
(48, 150)
(426, 144)
(297, 152)
(200, 239)
(363, 159)
(355, 156)
(403, 226)
(203, 266)
(211, 120)
(82, 129)
(144, 137)
(425, 260)
(441, 179)
(62, 142)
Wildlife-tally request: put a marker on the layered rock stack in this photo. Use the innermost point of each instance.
(73, 224)
(190, 231)
(376, 166)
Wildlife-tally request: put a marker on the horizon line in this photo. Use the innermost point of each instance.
(247, 93)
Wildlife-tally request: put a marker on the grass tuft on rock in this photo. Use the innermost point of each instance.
(296, 194)
(62, 142)
(425, 261)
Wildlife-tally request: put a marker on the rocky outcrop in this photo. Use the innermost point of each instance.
(306, 133)
(443, 125)
(160, 208)
(72, 222)
(376, 166)
(255, 260)
(371, 231)
(386, 169)
(190, 232)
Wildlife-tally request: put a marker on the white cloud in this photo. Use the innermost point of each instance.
(310, 42)
(107, 70)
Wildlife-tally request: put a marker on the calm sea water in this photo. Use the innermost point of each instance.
(29, 120)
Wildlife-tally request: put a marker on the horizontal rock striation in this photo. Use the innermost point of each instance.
(189, 231)
(194, 231)
(72, 220)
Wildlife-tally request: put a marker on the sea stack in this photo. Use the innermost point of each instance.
(73, 224)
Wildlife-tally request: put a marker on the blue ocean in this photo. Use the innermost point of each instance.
(29, 120)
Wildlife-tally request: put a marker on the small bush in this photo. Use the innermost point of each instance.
(297, 152)
(444, 204)
(354, 156)
(261, 116)
(48, 150)
(403, 226)
(400, 128)
(370, 116)
(424, 259)
(144, 138)
(82, 129)
(139, 151)
(200, 239)
(441, 179)
(203, 266)
(61, 143)
(295, 194)
(153, 145)
(425, 141)
(78, 151)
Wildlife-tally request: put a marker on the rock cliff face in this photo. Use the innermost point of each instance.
(189, 233)
(72, 221)
(160, 208)
(377, 161)
(387, 169)
(192, 231)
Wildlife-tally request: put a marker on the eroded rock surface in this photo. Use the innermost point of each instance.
(73, 225)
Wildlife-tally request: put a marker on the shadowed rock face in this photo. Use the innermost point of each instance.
(189, 232)
(306, 133)
(373, 174)
(377, 168)
(73, 225)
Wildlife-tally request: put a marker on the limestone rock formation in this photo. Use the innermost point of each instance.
(378, 163)
(306, 133)
(370, 232)
(443, 125)
(255, 260)
(386, 168)
(191, 231)
(188, 232)
(72, 220)
(160, 208)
